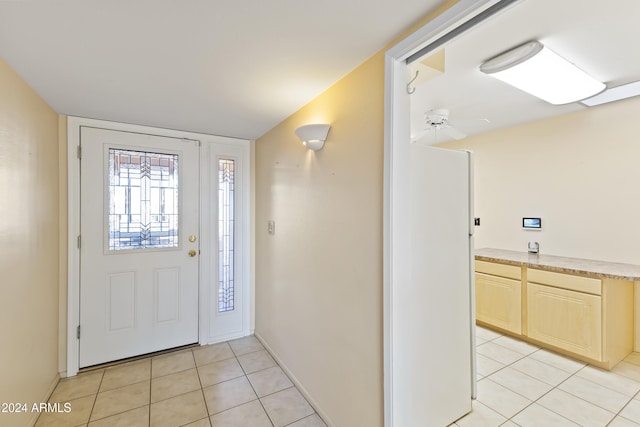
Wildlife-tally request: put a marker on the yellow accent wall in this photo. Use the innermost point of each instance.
(318, 279)
(29, 246)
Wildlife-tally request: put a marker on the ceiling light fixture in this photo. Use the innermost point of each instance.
(313, 136)
(617, 93)
(536, 69)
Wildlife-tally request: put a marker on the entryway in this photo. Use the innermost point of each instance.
(230, 383)
(159, 238)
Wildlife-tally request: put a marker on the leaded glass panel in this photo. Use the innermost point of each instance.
(226, 235)
(143, 200)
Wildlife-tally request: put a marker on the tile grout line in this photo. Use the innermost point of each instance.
(275, 392)
(572, 374)
(206, 406)
(245, 375)
(486, 406)
(259, 398)
(575, 374)
(615, 414)
(234, 357)
(524, 373)
(149, 402)
(623, 407)
(95, 400)
(150, 389)
(249, 381)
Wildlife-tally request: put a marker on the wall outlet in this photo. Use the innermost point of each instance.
(476, 221)
(271, 227)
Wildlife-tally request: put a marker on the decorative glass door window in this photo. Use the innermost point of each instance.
(226, 235)
(143, 200)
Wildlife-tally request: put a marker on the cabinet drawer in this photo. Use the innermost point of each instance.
(566, 319)
(503, 270)
(565, 281)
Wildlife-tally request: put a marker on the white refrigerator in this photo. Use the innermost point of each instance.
(432, 316)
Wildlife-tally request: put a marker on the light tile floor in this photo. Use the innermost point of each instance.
(523, 385)
(232, 384)
(238, 384)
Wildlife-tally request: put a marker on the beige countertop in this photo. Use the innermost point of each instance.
(560, 264)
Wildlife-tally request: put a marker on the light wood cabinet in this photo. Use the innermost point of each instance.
(565, 319)
(499, 295)
(585, 316)
(588, 318)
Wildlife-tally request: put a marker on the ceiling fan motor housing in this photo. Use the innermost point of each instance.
(437, 118)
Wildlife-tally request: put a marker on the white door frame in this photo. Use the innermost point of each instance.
(397, 131)
(73, 177)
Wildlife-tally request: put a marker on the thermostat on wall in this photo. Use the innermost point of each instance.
(532, 223)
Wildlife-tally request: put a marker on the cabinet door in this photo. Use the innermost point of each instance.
(566, 319)
(498, 302)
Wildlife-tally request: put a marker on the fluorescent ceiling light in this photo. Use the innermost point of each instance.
(534, 68)
(614, 94)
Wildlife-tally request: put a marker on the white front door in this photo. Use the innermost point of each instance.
(139, 244)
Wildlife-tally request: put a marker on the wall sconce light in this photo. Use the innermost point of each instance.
(536, 69)
(313, 136)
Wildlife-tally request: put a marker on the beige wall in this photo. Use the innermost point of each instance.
(319, 278)
(579, 172)
(29, 237)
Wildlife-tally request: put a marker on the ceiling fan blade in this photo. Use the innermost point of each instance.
(419, 135)
(454, 133)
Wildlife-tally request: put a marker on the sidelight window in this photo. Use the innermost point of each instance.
(226, 235)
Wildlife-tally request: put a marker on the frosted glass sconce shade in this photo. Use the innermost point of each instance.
(313, 136)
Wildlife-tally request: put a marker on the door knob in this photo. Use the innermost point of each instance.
(192, 253)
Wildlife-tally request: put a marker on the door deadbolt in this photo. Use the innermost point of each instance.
(192, 238)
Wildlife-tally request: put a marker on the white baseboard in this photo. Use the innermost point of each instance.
(52, 386)
(295, 381)
(223, 338)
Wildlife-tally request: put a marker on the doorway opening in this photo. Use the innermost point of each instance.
(415, 183)
(159, 235)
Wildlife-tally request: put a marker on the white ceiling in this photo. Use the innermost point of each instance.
(226, 67)
(600, 38)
